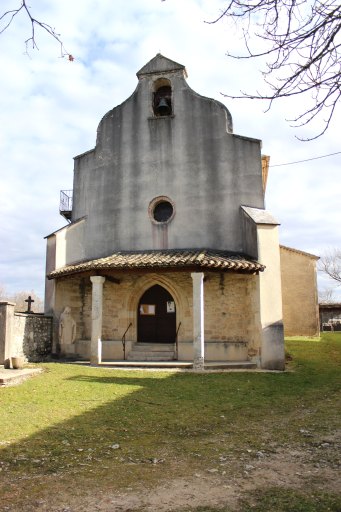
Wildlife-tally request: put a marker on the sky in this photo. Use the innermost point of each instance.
(51, 107)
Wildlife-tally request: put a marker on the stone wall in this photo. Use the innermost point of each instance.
(33, 336)
(21, 334)
(299, 293)
(230, 307)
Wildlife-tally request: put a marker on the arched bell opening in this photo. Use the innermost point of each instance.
(162, 98)
(156, 316)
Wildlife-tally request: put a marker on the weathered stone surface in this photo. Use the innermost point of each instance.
(33, 336)
(299, 293)
(23, 335)
(229, 311)
(193, 157)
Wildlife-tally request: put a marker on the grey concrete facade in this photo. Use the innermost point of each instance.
(192, 157)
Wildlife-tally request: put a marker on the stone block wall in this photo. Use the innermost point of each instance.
(299, 293)
(230, 308)
(22, 334)
(32, 336)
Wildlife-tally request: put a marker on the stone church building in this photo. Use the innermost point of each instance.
(169, 252)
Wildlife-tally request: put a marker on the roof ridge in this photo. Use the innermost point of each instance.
(299, 251)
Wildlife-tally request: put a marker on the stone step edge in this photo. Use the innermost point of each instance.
(151, 358)
(238, 365)
(157, 347)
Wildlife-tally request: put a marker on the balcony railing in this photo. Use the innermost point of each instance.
(65, 205)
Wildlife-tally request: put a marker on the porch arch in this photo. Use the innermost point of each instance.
(142, 285)
(156, 316)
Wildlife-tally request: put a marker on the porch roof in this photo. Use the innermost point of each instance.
(189, 259)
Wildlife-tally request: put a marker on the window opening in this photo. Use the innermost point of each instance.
(161, 210)
(162, 104)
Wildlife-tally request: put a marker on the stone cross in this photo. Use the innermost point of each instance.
(29, 301)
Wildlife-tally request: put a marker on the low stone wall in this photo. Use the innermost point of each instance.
(24, 334)
(33, 335)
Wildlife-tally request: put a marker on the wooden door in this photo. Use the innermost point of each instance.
(156, 316)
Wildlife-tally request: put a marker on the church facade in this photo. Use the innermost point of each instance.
(169, 250)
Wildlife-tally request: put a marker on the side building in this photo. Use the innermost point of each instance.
(299, 292)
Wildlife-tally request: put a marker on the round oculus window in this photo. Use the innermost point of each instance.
(161, 210)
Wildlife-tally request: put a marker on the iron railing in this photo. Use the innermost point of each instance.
(176, 352)
(124, 341)
(65, 205)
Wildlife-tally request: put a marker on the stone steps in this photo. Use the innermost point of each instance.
(151, 347)
(144, 354)
(151, 352)
(150, 356)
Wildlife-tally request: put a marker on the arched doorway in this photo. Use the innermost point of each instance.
(156, 316)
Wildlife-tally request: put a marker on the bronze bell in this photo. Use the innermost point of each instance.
(163, 109)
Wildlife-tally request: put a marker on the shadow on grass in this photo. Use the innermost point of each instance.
(117, 427)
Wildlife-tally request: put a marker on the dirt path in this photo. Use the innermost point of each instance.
(208, 488)
(313, 468)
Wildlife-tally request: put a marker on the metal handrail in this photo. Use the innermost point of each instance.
(124, 341)
(176, 355)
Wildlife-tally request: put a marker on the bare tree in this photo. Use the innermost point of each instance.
(326, 296)
(8, 17)
(19, 299)
(300, 40)
(3, 292)
(330, 264)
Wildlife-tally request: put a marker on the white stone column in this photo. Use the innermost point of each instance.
(198, 320)
(96, 317)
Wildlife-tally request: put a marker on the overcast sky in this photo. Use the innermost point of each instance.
(50, 110)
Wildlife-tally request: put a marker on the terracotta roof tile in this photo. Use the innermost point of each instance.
(160, 259)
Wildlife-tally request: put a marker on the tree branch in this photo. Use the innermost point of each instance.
(301, 38)
(9, 16)
(330, 264)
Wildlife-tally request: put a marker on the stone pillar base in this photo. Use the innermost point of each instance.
(198, 364)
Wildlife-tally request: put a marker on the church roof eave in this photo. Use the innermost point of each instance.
(181, 259)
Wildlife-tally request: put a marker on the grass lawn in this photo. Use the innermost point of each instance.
(73, 427)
